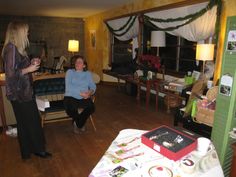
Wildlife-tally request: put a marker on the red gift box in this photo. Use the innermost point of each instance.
(169, 142)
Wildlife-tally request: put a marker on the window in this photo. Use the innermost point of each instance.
(121, 51)
(169, 54)
(122, 60)
(178, 55)
(187, 54)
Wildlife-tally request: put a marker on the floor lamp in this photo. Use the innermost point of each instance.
(205, 52)
(158, 39)
(73, 46)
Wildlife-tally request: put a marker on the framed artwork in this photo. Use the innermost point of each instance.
(226, 84)
(231, 43)
(93, 38)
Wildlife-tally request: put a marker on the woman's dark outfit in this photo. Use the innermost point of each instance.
(19, 90)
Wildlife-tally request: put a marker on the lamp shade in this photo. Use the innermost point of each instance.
(205, 52)
(73, 46)
(158, 39)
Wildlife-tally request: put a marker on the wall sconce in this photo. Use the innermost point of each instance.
(158, 39)
(205, 52)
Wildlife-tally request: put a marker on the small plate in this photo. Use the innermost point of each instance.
(160, 171)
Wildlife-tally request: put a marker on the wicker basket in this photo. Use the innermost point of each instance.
(205, 115)
(212, 93)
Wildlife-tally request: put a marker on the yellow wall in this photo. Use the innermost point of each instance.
(98, 57)
(228, 9)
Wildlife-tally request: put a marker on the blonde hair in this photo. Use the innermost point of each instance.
(17, 34)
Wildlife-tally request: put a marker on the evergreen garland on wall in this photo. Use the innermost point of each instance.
(191, 17)
(148, 20)
(128, 24)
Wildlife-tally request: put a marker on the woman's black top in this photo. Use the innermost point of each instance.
(19, 87)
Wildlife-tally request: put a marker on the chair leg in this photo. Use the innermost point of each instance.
(91, 119)
(156, 99)
(168, 105)
(42, 119)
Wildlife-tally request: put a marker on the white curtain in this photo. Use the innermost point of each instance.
(200, 29)
(133, 31)
(134, 46)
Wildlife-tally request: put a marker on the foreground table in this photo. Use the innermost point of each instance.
(128, 157)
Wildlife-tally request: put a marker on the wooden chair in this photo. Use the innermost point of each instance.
(172, 100)
(160, 79)
(197, 91)
(185, 111)
(52, 89)
(57, 67)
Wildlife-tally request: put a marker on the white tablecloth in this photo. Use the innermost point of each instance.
(128, 157)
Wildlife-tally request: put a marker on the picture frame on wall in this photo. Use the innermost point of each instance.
(231, 43)
(226, 84)
(93, 39)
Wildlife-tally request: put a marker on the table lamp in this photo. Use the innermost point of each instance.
(158, 39)
(205, 52)
(73, 46)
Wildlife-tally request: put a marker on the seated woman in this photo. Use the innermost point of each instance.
(79, 89)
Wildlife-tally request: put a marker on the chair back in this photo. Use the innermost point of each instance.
(49, 86)
(96, 78)
(55, 61)
(198, 88)
(196, 91)
(59, 65)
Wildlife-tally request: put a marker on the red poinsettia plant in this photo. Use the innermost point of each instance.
(151, 61)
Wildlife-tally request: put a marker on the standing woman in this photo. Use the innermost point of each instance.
(79, 89)
(19, 90)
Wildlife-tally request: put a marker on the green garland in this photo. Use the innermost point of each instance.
(217, 25)
(149, 21)
(129, 23)
(191, 17)
(195, 15)
(122, 27)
